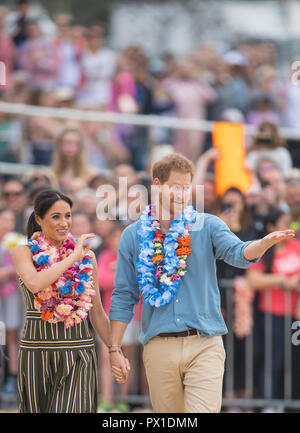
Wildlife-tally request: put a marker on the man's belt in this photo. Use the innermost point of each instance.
(179, 334)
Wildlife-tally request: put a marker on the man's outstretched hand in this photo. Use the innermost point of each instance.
(257, 248)
(278, 236)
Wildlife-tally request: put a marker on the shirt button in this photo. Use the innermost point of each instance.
(178, 320)
(177, 300)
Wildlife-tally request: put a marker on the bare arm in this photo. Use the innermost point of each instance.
(98, 318)
(257, 248)
(33, 280)
(37, 281)
(259, 280)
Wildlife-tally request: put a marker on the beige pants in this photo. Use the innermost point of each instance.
(185, 374)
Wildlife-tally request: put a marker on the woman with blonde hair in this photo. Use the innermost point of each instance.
(69, 158)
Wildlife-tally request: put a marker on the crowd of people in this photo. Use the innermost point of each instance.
(52, 62)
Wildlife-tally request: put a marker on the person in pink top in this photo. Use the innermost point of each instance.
(190, 96)
(107, 260)
(7, 55)
(39, 58)
(10, 306)
(277, 278)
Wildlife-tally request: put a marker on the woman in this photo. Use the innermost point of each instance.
(57, 358)
(276, 277)
(268, 144)
(235, 213)
(69, 158)
(10, 304)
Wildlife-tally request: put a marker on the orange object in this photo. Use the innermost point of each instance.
(183, 251)
(157, 258)
(229, 140)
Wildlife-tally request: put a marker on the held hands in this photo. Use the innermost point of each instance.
(120, 366)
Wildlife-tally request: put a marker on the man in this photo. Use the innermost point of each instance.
(182, 324)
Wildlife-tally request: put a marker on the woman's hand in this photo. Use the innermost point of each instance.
(80, 250)
(120, 366)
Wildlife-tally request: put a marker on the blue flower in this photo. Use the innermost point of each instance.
(43, 259)
(80, 288)
(144, 264)
(84, 276)
(66, 288)
(35, 249)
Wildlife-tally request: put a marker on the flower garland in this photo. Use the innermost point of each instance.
(68, 299)
(162, 256)
(243, 308)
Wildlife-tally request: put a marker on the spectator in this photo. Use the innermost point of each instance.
(292, 197)
(138, 66)
(101, 226)
(7, 53)
(86, 200)
(191, 98)
(263, 110)
(69, 72)
(17, 21)
(269, 144)
(14, 197)
(238, 89)
(10, 306)
(38, 57)
(10, 134)
(103, 148)
(42, 131)
(98, 65)
(276, 277)
(81, 224)
(235, 213)
(69, 158)
(123, 100)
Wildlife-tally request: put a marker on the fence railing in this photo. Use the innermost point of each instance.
(131, 119)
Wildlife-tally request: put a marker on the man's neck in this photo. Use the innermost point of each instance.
(164, 225)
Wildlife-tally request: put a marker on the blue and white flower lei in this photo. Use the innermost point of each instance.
(145, 266)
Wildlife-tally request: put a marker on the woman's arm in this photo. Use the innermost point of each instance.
(98, 318)
(36, 281)
(259, 280)
(33, 280)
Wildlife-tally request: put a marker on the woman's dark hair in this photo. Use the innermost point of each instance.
(245, 217)
(42, 203)
(270, 218)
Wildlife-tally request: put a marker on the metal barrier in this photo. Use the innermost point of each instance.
(130, 119)
(253, 370)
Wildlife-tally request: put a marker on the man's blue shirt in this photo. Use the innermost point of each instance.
(197, 301)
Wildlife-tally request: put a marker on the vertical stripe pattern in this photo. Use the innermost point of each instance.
(57, 366)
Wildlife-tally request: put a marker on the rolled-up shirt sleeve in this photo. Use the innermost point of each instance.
(126, 292)
(227, 246)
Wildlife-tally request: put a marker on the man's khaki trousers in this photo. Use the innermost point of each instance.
(185, 374)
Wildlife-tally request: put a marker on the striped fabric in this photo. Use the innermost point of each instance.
(57, 365)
